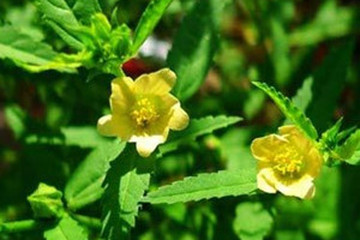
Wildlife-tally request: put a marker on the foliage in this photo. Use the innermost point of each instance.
(61, 180)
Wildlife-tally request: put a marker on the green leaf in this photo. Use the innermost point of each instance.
(148, 21)
(332, 21)
(61, 18)
(252, 221)
(195, 45)
(84, 137)
(125, 184)
(66, 229)
(304, 95)
(22, 49)
(351, 145)
(85, 185)
(196, 128)
(15, 118)
(329, 81)
(205, 186)
(85, 9)
(293, 113)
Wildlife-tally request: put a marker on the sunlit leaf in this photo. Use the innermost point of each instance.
(205, 186)
(293, 113)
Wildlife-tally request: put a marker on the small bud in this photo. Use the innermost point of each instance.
(46, 202)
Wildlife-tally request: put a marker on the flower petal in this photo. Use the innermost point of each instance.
(305, 146)
(265, 148)
(179, 119)
(264, 180)
(296, 137)
(106, 126)
(303, 188)
(122, 96)
(146, 145)
(158, 83)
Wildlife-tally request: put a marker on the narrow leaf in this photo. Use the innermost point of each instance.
(66, 229)
(329, 81)
(304, 95)
(84, 9)
(125, 184)
(148, 21)
(205, 186)
(197, 128)
(351, 145)
(85, 185)
(62, 19)
(22, 49)
(195, 45)
(293, 113)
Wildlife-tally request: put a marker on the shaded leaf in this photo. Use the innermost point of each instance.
(85, 185)
(252, 221)
(125, 183)
(194, 46)
(329, 81)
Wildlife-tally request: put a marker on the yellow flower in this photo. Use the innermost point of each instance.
(287, 163)
(143, 110)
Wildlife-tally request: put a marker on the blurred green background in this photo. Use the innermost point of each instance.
(281, 42)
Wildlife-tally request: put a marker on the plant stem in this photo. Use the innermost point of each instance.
(20, 226)
(90, 222)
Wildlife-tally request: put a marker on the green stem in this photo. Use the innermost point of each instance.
(21, 226)
(90, 222)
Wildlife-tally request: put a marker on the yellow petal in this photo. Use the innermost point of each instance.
(111, 126)
(296, 137)
(106, 126)
(122, 96)
(179, 119)
(312, 156)
(146, 145)
(303, 188)
(264, 180)
(157, 83)
(265, 148)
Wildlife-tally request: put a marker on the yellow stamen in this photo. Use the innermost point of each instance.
(288, 163)
(144, 113)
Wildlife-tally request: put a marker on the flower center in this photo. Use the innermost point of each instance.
(144, 113)
(288, 163)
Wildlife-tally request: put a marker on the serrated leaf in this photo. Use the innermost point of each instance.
(148, 21)
(126, 181)
(329, 81)
(351, 145)
(196, 128)
(205, 186)
(293, 113)
(194, 46)
(252, 221)
(62, 19)
(85, 184)
(66, 229)
(303, 96)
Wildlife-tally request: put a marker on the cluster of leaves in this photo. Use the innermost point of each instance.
(115, 194)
